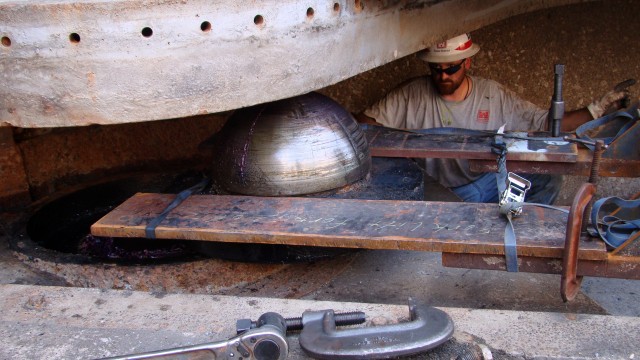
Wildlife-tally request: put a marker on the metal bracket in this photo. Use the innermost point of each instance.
(428, 327)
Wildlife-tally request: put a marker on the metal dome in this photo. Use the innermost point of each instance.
(301, 145)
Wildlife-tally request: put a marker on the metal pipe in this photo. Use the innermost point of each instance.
(556, 112)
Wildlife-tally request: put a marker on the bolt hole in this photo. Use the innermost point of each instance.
(147, 32)
(6, 41)
(205, 26)
(258, 20)
(74, 38)
(336, 7)
(310, 13)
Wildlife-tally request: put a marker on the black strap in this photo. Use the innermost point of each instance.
(462, 132)
(612, 229)
(150, 229)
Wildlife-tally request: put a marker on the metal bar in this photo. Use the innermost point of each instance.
(582, 167)
(620, 267)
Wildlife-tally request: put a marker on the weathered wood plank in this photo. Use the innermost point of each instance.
(370, 224)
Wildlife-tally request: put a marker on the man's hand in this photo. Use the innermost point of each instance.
(613, 100)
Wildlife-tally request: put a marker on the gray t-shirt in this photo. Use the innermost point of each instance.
(417, 105)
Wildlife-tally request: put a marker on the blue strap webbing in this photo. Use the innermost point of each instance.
(614, 230)
(624, 119)
(499, 148)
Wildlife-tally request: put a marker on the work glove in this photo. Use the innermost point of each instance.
(615, 99)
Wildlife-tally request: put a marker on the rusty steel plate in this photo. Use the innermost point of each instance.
(398, 143)
(347, 223)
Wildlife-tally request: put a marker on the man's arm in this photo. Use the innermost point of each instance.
(611, 101)
(572, 119)
(364, 119)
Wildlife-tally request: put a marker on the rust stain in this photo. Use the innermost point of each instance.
(91, 84)
(49, 107)
(91, 79)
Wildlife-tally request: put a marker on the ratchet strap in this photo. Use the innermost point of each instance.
(150, 229)
(512, 189)
(612, 229)
(499, 148)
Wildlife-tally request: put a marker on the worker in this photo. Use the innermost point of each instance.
(450, 97)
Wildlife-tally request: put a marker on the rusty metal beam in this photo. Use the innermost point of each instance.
(67, 63)
(388, 142)
(609, 167)
(621, 267)
(553, 159)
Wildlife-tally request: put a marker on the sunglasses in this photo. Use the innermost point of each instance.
(449, 71)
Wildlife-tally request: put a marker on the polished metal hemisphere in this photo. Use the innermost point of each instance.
(301, 145)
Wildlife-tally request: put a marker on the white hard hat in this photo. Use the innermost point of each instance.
(457, 48)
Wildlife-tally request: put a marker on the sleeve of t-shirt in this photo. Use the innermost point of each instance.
(391, 110)
(523, 115)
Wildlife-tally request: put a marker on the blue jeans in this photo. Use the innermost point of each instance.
(544, 189)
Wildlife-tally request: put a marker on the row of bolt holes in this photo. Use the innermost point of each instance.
(205, 26)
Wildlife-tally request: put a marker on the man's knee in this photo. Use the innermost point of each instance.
(544, 188)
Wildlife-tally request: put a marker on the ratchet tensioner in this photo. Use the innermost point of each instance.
(265, 339)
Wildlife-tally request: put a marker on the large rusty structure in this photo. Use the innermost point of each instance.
(115, 97)
(94, 62)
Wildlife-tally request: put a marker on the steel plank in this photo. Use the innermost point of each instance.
(388, 142)
(347, 223)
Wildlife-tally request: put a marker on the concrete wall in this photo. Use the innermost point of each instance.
(595, 40)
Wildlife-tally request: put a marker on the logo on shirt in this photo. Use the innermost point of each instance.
(483, 116)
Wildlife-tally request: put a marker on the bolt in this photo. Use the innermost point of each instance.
(593, 179)
(585, 142)
(342, 319)
(293, 324)
(595, 164)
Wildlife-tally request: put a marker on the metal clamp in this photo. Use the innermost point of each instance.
(515, 192)
(428, 327)
(570, 281)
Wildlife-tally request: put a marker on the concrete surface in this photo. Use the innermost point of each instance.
(72, 323)
(393, 276)
(518, 316)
